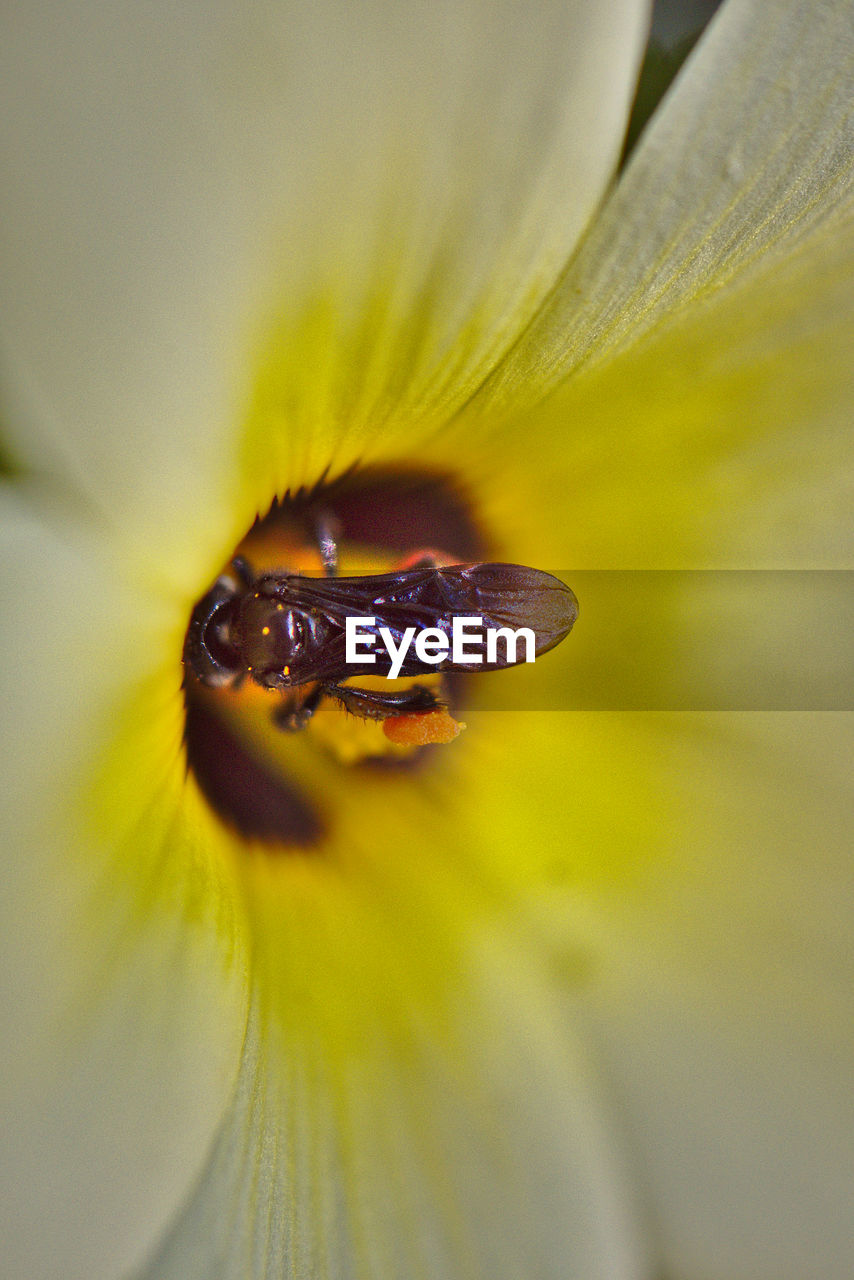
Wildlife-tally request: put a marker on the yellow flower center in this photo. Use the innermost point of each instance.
(257, 726)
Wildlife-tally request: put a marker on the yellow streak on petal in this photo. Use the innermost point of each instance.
(720, 441)
(141, 802)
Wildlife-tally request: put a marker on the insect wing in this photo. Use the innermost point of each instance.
(396, 601)
(513, 596)
(502, 595)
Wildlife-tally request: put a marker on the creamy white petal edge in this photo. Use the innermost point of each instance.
(724, 1009)
(122, 986)
(724, 1012)
(482, 1156)
(175, 176)
(721, 441)
(751, 154)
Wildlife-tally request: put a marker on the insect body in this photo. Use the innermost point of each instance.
(284, 630)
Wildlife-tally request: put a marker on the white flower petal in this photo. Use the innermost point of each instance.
(483, 1157)
(751, 154)
(420, 173)
(723, 441)
(724, 1005)
(123, 988)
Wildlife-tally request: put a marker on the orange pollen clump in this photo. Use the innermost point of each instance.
(421, 728)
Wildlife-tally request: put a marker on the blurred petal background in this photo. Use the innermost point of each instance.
(577, 999)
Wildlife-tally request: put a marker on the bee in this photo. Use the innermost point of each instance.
(288, 630)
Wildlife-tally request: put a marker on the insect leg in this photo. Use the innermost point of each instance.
(327, 528)
(372, 704)
(243, 570)
(291, 721)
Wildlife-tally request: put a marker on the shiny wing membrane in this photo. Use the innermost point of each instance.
(502, 595)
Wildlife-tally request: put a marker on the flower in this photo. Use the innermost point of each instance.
(576, 1001)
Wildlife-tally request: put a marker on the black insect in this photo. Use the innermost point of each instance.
(286, 630)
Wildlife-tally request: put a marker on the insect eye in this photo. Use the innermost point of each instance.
(209, 650)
